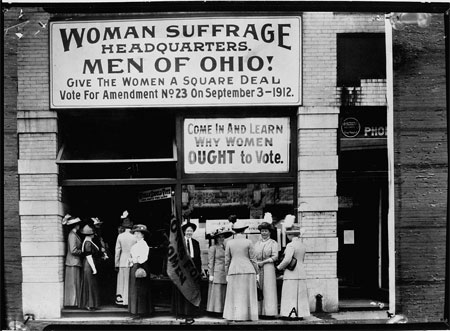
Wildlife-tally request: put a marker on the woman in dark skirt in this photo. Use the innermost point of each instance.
(139, 296)
(72, 279)
(89, 284)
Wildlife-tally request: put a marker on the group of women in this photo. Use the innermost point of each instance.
(238, 269)
(84, 254)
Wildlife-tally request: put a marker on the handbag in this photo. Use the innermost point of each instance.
(140, 273)
(259, 292)
(292, 264)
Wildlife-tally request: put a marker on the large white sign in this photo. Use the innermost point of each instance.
(236, 145)
(212, 61)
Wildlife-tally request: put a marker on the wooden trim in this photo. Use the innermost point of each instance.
(248, 179)
(117, 161)
(115, 181)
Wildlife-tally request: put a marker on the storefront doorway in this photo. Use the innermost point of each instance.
(362, 232)
(108, 203)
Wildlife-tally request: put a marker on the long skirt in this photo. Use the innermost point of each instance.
(89, 288)
(241, 301)
(294, 298)
(182, 307)
(72, 285)
(216, 297)
(139, 295)
(123, 279)
(269, 305)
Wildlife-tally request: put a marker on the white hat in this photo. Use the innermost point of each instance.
(239, 226)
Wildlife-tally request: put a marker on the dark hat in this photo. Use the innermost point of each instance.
(87, 230)
(126, 223)
(188, 224)
(139, 228)
(232, 218)
(265, 225)
(222, 231)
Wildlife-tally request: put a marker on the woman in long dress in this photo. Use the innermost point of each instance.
(90, 298)
(124, 242)
(266, 251)
(216, 268)
(241, 301)
(294, 294)
(139, 295)
(72, 276)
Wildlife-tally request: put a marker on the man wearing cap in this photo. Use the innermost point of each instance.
(123, 246)
(72, 279)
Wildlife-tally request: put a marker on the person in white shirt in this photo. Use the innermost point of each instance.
(139, 298)
(124, 242)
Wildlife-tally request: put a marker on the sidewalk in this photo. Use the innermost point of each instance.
(344, 317)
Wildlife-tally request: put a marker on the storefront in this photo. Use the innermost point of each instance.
(177, 119)
(197, 116)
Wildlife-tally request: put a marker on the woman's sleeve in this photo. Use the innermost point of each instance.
(227, 258)
(274, 251)
(211, 260)
(143, 254)
(74, 245)
(252, 256)
(118, 251)
(288, 254)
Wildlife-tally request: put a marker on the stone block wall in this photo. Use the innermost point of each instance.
(317, 145)
(40, 207)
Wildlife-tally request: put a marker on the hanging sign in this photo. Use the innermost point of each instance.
(176, 62)
(236, 145)
(158, 194)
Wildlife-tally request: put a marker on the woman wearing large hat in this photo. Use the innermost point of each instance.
(216, 268)
(139, 299)
(89, 284)
(266, 251)
(241, 301)
(72, 279)
(124, 242)
(294, 293)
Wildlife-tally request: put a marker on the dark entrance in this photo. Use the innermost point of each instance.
(108, 203)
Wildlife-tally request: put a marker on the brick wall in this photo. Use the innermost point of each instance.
(421, 170)
(37, 146)
(12, 267)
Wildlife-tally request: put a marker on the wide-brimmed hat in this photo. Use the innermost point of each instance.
(69, 220)
(265, 225)
(96, 221)
(87, 230)
(187, 224)
(139, 228)
(222, 232)
(239, 226)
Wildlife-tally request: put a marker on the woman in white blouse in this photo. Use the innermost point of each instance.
(139, 300)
